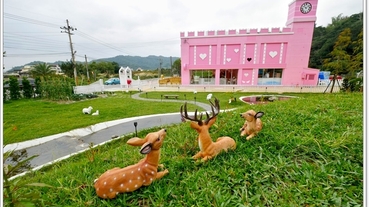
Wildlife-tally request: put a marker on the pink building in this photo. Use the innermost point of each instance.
(249, 57)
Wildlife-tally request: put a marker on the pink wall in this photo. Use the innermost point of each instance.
(249, 50)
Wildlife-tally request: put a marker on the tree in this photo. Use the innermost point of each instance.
(357, 57)
(67, 68)
(324, 38)
(103, 67)
(5, 95)
(14, 88)
(116, 67)
(42, 70)
(339, 60)
(319, 38)
(177, 66)
(38, 90)
(108, 67)
(27, 88)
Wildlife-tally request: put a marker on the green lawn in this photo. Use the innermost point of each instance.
(30, 119)
(309, 153)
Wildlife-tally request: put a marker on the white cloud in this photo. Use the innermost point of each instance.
(110, 28)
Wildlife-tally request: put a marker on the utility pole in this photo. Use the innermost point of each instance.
(160, 62)
(68, 29)
(171, 66)
(4, 55)
(88, 75)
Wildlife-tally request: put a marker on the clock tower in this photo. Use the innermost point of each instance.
(301, 19)
(302, 11)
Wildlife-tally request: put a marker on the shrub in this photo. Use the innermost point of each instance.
(14, 88)
(27, 88)
(57, 88)
(38, 91)
(352, 85)
(5, 92)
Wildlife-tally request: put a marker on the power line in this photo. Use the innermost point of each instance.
(28, 20)
(100, 42)
(18, 40)
(40, 54)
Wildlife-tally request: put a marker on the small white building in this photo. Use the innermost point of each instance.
(125, 77)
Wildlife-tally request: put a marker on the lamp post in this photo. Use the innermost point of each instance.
(135, 124)
(195, 92)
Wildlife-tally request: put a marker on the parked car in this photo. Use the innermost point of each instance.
(112, 81)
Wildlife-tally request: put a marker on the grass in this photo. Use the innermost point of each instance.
(309, 153)
(30, 119)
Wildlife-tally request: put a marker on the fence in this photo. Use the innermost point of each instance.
(153, 85)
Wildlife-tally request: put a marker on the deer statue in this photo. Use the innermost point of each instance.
(253, 123)
(208, 148)
(130, 178)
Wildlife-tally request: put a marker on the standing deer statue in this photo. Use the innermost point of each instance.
(130, 178)
(208, 148)
(253, 123)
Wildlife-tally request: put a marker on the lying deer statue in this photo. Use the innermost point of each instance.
(128, 179)
(208, 148)
(253, 123)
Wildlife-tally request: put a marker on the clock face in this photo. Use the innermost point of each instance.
(305, 8)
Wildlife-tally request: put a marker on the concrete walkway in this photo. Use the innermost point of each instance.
(57, 147)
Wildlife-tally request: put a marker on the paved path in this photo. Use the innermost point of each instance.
(206, 107)
(61, 146)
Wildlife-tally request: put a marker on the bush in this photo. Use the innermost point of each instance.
(352, 85)
(38, 91)
(5, 92)
(57, 88)
(14, 89)
(27, 88)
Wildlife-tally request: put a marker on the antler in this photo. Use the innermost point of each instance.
(192, 118)
(208, 148)
(214, 114)
(195, 117)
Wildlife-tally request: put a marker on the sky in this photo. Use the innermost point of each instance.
(32, 28)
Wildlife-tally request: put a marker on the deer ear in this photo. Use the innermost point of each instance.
(146, 148)
(259, 114)
(135, 141)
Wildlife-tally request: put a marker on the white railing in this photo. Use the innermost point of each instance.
(99, 87)
(153, 85)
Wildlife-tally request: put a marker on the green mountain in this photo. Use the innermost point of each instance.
(151, 62)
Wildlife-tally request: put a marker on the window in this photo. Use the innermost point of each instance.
(270, 76)
(203, 77)
(228, 76)
(310, 77)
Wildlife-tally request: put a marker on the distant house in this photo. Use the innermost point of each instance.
(139, 69)
(26, 70)
(8, 75)
(56, 69)
(253, 57)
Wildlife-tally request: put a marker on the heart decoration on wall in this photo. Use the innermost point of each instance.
(203, 55)
(236, 50)
(273, 53)
(229, 59)
(249, 59)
